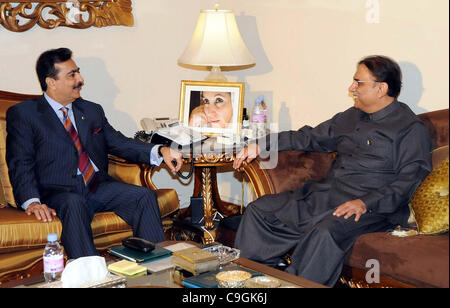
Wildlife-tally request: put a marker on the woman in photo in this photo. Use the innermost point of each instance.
(215, 110)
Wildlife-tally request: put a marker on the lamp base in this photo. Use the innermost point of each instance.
(216, 75)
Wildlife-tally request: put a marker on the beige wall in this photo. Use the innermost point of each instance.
(305, 53)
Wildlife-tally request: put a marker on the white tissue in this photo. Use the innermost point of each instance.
(83, 271)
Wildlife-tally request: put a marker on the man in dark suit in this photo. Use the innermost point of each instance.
(57, 155)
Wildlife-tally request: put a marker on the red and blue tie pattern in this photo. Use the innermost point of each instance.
(84, 164)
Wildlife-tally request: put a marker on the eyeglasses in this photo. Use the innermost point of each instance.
(358, 82)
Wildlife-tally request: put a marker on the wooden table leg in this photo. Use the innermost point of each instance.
(208, 202)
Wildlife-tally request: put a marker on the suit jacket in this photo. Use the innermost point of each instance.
(42, 157)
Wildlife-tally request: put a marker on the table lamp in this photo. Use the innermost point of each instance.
(216, 42)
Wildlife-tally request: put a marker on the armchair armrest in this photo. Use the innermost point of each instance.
(293, 170)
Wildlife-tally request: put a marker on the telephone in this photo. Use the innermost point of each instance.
(151, 125)
(166, 131)
(172, 130)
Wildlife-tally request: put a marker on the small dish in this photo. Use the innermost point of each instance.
(232, 279)
(262, 282)
(224, 253)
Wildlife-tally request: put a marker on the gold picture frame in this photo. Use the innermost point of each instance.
(205, 106)
(22, 15)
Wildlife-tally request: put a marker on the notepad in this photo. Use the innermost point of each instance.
(127, 268)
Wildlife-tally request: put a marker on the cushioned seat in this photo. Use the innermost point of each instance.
(25, 232)
(19, 231)
(22, 237)
(420, 260)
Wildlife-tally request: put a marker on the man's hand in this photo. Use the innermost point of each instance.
(169, 156)
(41, 211)
(248, 153)
(354, 207)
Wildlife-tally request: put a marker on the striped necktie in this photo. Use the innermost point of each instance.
(84, 164)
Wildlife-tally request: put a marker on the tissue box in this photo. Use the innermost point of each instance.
(113, 281)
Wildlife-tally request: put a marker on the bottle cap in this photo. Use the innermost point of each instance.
(52, 237)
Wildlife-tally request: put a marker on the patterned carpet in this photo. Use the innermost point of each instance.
(175, 231)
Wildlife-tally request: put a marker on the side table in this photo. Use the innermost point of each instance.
(207, 157)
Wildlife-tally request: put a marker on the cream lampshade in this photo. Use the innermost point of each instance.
(216, 42)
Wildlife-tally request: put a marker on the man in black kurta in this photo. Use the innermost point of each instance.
(384, 152)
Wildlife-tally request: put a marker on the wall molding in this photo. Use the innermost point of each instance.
(22, 15)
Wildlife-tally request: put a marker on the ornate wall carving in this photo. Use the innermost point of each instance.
(22, 15)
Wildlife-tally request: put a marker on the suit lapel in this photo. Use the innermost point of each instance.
(51, 120)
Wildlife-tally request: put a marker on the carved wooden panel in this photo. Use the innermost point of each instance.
(22, 15)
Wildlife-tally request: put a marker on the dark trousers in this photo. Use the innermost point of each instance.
(317, 245)
(137, 206)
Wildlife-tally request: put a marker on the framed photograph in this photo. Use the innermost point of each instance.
(212, 107)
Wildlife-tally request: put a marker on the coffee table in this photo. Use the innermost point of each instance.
(165, 278)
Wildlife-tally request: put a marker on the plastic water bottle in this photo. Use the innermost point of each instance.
(53, 259)
(258, 118)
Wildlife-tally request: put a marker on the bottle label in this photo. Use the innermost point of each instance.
(245, 124)
(53, 264)
(258, 118)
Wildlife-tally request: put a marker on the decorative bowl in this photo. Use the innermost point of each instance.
(232, 279)
(262, 282)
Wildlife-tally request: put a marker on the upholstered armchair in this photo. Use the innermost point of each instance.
(414, 261)
(23, 238)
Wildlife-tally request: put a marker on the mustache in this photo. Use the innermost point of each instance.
(79, 85)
